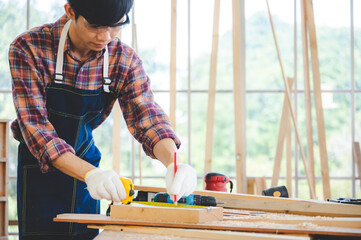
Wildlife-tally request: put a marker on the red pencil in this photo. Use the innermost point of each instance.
(175, 170)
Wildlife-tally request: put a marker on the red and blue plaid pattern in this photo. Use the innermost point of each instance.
(32, 58)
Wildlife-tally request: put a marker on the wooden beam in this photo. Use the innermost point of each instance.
(212, 90)
(239, 92)
(357, 157)
(288, 95)
(250, 185)
(307, 95)
(285, 118)
(318, 100)
(195, 233)
(272, 204)
(217, 225)
(166, 214)
(260, 185)
(301, 220)
(288, 140)
(173, 64)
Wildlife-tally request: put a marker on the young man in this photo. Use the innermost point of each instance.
(66, 78)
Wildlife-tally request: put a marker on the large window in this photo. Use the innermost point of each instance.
(339, 49)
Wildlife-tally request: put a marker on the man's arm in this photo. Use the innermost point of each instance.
(72, 165)
(164, 151)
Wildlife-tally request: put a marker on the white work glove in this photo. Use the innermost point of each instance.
(183, 183)
(105, 184)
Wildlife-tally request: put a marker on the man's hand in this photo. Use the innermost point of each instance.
(105, 184)
(183, 183)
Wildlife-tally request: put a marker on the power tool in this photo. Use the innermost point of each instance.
(278, 191)
(217, 182)
(356, 201)
(192, 199)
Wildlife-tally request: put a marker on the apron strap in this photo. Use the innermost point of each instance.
(59, 78)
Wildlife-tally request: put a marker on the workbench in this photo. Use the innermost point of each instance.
(251, 217)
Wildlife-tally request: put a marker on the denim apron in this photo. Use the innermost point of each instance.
(74, 113)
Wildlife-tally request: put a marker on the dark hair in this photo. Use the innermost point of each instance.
(101, 12)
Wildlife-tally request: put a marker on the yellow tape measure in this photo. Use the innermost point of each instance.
(160, 204)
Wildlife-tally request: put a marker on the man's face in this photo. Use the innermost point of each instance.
(95, 37)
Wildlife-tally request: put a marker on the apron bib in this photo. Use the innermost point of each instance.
(74, 113)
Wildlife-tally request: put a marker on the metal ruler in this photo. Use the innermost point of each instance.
(161, 204)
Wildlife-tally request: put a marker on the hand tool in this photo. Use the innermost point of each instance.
(217, 182)
(192, 199)
(356, 201)
(129, 189)
(277, 191)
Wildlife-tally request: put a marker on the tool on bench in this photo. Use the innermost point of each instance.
(356, 201)
(278, 191)
(129, 189)
(217, 182)
(192, 199)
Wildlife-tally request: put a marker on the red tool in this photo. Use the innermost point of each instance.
(217, 182)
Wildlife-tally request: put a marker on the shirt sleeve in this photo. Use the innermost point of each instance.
(29, 98)
(145, 119)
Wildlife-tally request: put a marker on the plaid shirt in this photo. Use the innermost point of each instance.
(32, 58)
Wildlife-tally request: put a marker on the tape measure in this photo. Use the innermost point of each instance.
(161, 204)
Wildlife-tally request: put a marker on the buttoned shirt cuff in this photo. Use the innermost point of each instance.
(51, 151)
(154, 135)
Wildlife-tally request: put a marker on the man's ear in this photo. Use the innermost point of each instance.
(69, 11)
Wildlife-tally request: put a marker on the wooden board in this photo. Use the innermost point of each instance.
(166, 214)
(357, 157)
(272, 204)
(317, 94)
(197, 234)
(216, 225)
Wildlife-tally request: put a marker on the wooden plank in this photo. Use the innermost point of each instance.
(285, 117)
(239, 92)
(166, 214)
(289, 156)
(111, 235)
(250, 185)
(272, 204)
(173, 65)
(357, 157)
(318, 100)
(307, 95)
(216, 225)
(260, 184)
(288, 94)
(212, 90)
(194, 233)
(319, 221)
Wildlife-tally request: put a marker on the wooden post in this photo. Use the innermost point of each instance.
(260, 185)
(173, 65)
(288, 95)
(212, 90)
(285, 118)
(4, 176)
(116, 137)
(250, 185)
(289, 149)
(239, 92)
(318, 100)
(307, 95)
(357, 157)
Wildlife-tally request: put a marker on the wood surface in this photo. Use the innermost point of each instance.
(173, 64)
(212, 90)
(216, 225)
(166, 214)
(289, 101)
(357, 157)
(4, 173)
(260, 184)
(284, 122)
(198, 234)
(289, 173)
(307, 95)
(317, 94)
(300, 220)
(250, 185)
(239, 92)
(272, 204)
